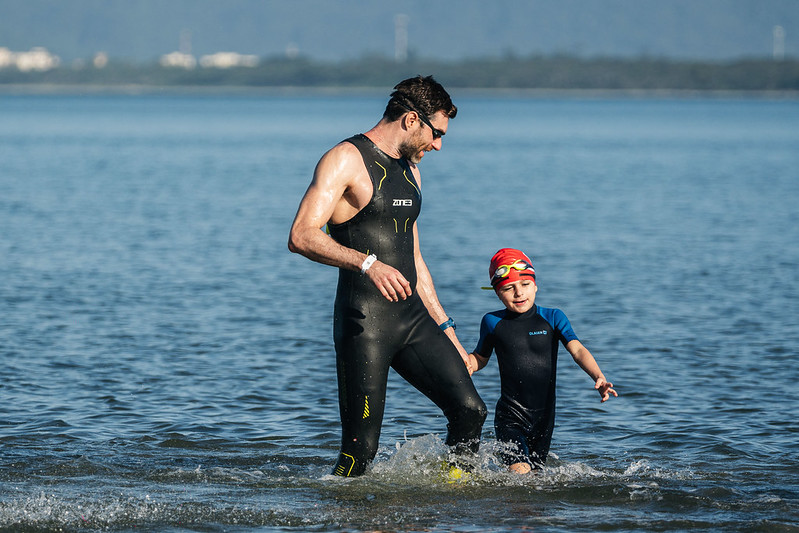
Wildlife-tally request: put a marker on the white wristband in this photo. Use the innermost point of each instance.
(369, 261)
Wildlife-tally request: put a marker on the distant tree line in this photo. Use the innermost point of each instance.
(552, 72)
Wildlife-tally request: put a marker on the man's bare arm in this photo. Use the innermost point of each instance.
(427, 292)
(333, 194)
(330, 182)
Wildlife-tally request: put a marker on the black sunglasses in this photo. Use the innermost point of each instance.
(437, 133)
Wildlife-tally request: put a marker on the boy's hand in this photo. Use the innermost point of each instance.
(605, 389)
(468, 361)
(469, 366)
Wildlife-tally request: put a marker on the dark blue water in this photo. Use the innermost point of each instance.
(166, 364)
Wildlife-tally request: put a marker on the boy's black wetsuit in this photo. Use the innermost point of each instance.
(527, 353)
(372, 333)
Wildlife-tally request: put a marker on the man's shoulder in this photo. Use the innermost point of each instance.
(345, 148)
(343, 160)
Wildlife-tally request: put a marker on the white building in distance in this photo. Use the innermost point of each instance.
(100, 60)
(178, 60)
(217, 60)
(37, 58)
(228, 60)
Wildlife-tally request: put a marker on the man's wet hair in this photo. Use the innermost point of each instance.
(422, 94)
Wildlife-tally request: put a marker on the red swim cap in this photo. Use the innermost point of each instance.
(509, 265)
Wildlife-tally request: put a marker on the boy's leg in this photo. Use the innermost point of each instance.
(529, 435)
(540, 438)
(512, 435)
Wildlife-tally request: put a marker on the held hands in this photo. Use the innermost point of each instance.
(605, 389)
(394, 287)
(389, 281)
(469, 366)
(467, 360)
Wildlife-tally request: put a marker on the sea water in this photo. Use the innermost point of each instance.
(166, 364)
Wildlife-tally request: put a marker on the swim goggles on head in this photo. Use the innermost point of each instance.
(503, 271)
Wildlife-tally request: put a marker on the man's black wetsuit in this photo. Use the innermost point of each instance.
(527, 353)
(372, 333)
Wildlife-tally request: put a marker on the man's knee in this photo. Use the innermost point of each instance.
(477, 410)
(466, 420)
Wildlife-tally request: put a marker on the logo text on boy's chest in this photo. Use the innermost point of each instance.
(538, 332)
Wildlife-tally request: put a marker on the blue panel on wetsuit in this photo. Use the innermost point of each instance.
(527, 349)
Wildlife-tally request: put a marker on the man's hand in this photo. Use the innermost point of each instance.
(391, 283)
(605, 389)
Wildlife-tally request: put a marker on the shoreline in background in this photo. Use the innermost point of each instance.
(44, 89)
(526, 75)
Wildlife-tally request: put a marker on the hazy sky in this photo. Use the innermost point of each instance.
(341, 29)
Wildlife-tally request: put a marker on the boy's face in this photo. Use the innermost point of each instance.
(518, 296)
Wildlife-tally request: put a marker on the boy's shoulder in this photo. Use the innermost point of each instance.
(559, 322)
(550, 314)
(549, 311)
(495, 316)
(490, 320)
(542, 309)
(502, 313)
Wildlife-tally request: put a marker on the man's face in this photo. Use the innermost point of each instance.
(518, 296)
(422, 138)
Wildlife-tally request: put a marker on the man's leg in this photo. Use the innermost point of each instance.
(433, 365)
(362, 377)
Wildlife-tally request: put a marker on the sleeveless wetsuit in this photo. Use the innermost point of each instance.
(527, 354)
(372, 333)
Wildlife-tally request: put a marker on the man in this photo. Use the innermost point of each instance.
(387, 314)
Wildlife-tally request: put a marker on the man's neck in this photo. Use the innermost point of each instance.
(386, 137)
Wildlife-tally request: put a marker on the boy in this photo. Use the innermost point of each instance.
(525, 337)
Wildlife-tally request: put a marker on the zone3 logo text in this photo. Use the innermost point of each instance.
(403, 202)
